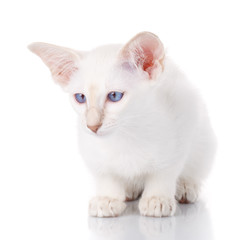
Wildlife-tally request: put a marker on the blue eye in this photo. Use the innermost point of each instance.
(115, 96)
(80, 97)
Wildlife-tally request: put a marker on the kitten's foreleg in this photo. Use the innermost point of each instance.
(158, 195)
(197, 166)
(109, 201)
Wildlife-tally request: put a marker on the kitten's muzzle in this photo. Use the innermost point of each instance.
(93, 119)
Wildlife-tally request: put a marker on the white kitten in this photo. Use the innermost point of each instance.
(143, 129)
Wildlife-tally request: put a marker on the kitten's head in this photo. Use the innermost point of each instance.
(104, 81)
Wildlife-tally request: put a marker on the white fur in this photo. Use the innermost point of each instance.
(156, 140)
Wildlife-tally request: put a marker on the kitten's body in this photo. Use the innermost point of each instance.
(157, 142)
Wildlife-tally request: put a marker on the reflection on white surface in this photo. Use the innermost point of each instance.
(191, 221)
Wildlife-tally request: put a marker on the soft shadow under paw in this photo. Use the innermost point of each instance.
(157, 227)
(105, 226)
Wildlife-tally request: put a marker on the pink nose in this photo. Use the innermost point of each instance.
(94, 128)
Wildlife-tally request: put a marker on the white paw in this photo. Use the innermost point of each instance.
(157, 206)
(187, 191)
(105, 207)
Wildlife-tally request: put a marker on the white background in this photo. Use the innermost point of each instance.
(44, 185)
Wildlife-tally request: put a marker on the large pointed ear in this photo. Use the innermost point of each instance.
(62, 62)
(145, 51)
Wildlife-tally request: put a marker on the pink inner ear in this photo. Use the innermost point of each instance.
(63, 70)
(62, 62)
(147, 60)
(146, 50)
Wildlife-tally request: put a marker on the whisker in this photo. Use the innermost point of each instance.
(137, 116)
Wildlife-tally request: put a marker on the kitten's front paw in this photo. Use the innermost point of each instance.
(157, 206)
(187, 192)
(105, 207)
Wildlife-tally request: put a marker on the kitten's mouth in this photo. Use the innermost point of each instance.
(95, 131)
(100, 131)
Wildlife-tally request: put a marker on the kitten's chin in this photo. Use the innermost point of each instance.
(103, 133)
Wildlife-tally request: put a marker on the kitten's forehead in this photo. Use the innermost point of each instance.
(97, 70)
(99, 62)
